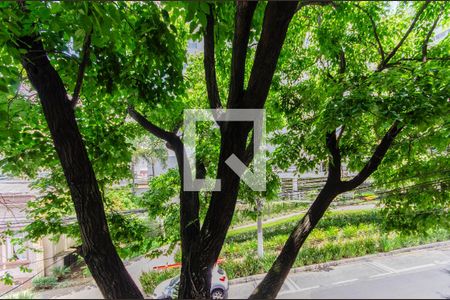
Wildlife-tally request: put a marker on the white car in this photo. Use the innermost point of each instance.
(168, 289)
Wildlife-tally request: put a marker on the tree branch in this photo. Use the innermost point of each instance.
(376, 158)
(277, 17)
(171, 138)
(342, 62)
(417, 59)
(272, 282)
(428, 36)
(375, 32)
(244, 16)
(84, 61)
(315, 2)
(334, 166)
(98, 248)
(210, 63)
(385, 61)
(218, 218)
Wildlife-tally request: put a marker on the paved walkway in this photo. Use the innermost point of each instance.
(91, 291)
(337, 208)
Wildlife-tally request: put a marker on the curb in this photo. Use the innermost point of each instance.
(333, 263)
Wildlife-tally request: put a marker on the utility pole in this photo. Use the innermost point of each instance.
(259, 205)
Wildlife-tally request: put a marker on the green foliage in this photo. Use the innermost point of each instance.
(25, 269)
(248, 196)
(248, 265)
(60, 272)
(150, 148)
(338, 235)
(121, 198)
(7, 278)
(329, 77)
(135, 58)
(86, 272)
(44, 282)
(132, 235)
(21, 295)
(418, 196)
(161, 201)
(150, 280)
(138, 56)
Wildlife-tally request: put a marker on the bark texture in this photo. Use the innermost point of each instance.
(97, 249)
(201, 247)
(189, 208)
(272, 282)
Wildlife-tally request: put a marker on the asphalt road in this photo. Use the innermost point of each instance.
(416, 274)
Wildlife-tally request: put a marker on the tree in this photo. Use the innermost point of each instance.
(196, 261)
(334, 102)
(40, 36)
(353, 95)
(201, 245)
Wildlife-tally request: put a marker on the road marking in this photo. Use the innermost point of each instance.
(289, 284)
(415, 268)
(292, 284)
(300, 290)
(345, 281)
(442, 262)
(382, 267)
(401, 270)
(381, 275)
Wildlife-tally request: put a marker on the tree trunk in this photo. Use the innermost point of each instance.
(272, 282)
(193, 281)
(209, 242)
(189, 232)
(234, 135)
(97, 249)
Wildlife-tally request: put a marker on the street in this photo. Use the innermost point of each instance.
(417, 274)
(423, 273)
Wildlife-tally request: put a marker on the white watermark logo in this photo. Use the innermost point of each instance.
(255, 178)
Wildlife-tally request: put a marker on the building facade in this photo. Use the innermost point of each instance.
(40, 256)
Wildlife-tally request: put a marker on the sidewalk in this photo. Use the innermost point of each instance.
(337, 208)
(135, 268)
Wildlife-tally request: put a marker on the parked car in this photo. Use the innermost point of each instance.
(168, 289)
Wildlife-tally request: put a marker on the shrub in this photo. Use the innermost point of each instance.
(44, 283)
(247, 266)
(349, 231)
(86, 272)
(150, 280)
(177, 255)
(338, 235)
(21, 295)
(60, 272)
